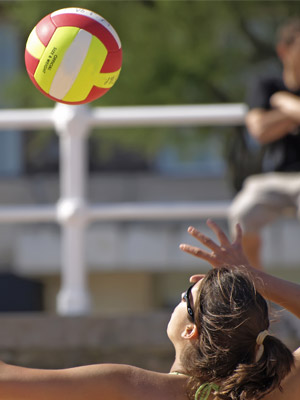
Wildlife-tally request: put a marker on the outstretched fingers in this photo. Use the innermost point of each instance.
(211, 258)
(195, 251)
(238, 235)
(227, 253)
(218, 232)
(205, 240)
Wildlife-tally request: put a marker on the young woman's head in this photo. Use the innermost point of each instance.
(228, 314)
(288, 50)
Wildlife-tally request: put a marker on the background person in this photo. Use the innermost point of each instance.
(274, 121)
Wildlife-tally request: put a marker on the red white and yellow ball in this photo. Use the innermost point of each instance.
(73, 56)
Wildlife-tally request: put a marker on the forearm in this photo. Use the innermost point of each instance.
(288, 104)
(268, 126)
(280, 291)
(69, 384)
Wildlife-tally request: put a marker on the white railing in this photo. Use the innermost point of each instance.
(72, 211)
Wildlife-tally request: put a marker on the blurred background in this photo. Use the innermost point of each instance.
(174, 53)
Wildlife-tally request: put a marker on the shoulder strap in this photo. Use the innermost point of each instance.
(204, 391)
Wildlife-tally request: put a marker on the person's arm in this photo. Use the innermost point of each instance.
(288, 104)
(91, 382)
(103, 381)
(266, 126)
(280, 291)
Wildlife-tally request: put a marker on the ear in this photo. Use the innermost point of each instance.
(190, 332)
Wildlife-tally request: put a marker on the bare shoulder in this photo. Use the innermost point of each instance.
(150, 385)
(126, 382)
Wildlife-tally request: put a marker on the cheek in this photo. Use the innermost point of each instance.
(170, 329)
(178, 317)
(173, 317)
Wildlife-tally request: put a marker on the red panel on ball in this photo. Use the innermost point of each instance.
(31, 76)
(31, 63)
(48, 95)
(89, 25)
(113, 62)
(95, 93)
(45, 29)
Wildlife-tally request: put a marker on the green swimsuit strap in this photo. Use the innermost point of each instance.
(204, 390)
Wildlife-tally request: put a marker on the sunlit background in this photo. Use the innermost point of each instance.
(174, 53)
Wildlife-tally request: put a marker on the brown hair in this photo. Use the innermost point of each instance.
(288, 32)
(229, 314)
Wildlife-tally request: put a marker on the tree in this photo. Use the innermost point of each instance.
(175, 52)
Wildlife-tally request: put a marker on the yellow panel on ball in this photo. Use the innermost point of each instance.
(106, 80)
(73, 56)
(53, 56)
(34, 45)
(88, 75)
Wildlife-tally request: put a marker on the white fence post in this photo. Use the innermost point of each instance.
(72, 126)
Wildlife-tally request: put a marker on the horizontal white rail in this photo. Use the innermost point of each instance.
(27, 119)
(72, 212)
(28, 214)
(187, 115)
(158, 211)
(120, 212)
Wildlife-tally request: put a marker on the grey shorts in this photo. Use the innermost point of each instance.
(264, 198)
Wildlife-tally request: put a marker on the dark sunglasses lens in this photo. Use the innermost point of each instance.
(188, 304)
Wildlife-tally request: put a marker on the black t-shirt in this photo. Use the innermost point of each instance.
(283, 154)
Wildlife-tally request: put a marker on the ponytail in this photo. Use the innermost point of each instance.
(257, 379)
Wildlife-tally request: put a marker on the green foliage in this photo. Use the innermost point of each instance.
(175, 52)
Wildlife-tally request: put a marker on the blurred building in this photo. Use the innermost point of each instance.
(134, 259)
(135, 268)
(127, 262)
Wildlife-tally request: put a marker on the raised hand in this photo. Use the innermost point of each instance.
(228, 253)
(225, 253)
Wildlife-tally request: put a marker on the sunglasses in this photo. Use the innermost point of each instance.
(186, 297)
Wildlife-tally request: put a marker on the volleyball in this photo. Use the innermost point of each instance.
(73, 56)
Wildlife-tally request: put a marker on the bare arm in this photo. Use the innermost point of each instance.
(280, 291)
(284, 293)
(104, 381)
(91, 382)
(268, 126)
(288, 104)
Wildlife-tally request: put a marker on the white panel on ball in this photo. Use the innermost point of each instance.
(71, 64)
